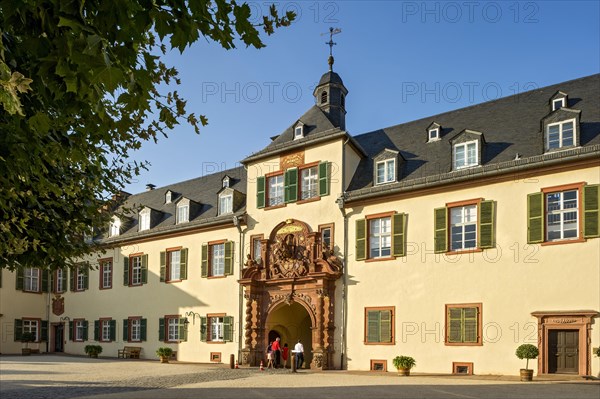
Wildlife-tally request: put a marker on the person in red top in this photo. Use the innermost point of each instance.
(284, 354)
(276, 347)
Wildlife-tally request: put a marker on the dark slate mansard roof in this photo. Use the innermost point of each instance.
(510, 126)
(202, 190)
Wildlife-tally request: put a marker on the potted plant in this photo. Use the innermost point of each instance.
(164, 354)
(93, 350)
(403, 364)
(26, 338)
(527, 351)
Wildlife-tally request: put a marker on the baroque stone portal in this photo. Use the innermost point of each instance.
(295, 267)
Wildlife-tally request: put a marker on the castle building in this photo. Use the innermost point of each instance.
(452, 239)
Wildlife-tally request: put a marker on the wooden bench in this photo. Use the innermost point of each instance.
(129, 352)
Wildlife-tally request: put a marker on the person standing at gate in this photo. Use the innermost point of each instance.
(276, 347)
(284, 354)
(299, 351)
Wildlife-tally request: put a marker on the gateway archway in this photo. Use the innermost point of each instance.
(291, 293)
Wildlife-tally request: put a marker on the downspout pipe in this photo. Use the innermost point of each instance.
(340, 202)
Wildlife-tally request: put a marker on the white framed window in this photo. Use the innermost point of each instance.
(31, 279)
(80, 326)
(183, 213)
(558, 103)
(298, 132)
(225, 204)
(275, 190)
(434, 134)
(106, 274)
(217, 329)
(309, 182)
(256, 248)
(168, 197)
(226, 182)
(174, 265)
(463, 227)
(385, 171)
(31, 326)
(115, 227)
(105, 330)
(144, 217)
(59, 281)
(218, 260)
(172, 329)
(561, 134)
(135, 326)
(562, 215)
(80, 279)
(465, 155)
(380, 237)
(136, 270)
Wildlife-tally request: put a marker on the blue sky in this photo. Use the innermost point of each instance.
(400, 60)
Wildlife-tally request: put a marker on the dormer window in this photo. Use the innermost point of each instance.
(385, 171)
(115, 227)
(183, 212)
(558, 103)
(225, 203)
(465, 155)
(561, 134)
(226, 182)
(324, 97)
(434, 134)
(168, 197)
(144, 220)
(299, 131)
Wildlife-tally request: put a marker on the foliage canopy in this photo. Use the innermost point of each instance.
(82, 84)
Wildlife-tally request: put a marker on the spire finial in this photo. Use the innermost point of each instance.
(331, 43)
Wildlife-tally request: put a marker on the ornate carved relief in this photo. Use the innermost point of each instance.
(291, 160)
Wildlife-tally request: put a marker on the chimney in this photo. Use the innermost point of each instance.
(150, 187)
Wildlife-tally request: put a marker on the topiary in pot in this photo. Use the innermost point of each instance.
(527, 351)
(93, 350)
(164, 353)
(26, 338)
(403, 364)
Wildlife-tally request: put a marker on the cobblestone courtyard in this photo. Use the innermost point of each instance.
(56, 377)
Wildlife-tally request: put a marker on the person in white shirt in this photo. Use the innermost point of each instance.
(299, 351)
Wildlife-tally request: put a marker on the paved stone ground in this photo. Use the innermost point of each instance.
(57, 377)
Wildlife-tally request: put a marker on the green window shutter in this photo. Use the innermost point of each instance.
(324, 178)
(361, 239)
(125, 330)
(44, 331)
(260, 192)
(125, 271)
(20, 279)
(143, 329)
(454, 325)
(52, 280)
(96, 330)
(18, 329)
(470, 333)
(399, 236)
(163, 266)
(71, 327)
(183, 264)
(204, 263)
(144, 269)
(203, 328)
(45, 278)
(72, 276)
(290, 182)
(535, 218)
(182, 330)
(385, 326)
(161, 329)
(85, 330)
(65, 277)
(229, 257)
(113, 330)
(228, 328)
(441, 230)
(487, 214)
(591, 211)
(373, 325)
(86, 277)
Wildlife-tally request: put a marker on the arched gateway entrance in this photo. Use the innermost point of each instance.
(291, 292)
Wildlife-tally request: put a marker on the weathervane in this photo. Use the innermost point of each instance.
(331, 43)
